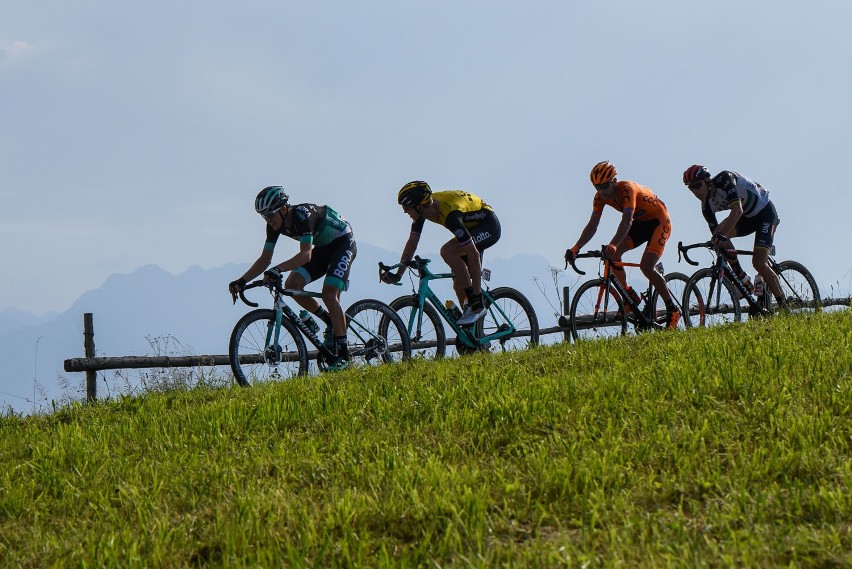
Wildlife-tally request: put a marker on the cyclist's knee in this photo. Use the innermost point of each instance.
(295, 281)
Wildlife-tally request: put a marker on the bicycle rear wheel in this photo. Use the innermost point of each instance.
(514, 311)
(711, 302)
(375, 334)
(799, 288)
(253, 361)
(677, 285)
(595, 315)
(425, 329)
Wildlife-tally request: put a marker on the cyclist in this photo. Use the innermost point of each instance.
(326, 247)
(475, 226)
(751, 211)
(644, 219)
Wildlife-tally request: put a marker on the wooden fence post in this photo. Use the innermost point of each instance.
(89, 349)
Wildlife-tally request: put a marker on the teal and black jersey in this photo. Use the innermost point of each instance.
(318, 225)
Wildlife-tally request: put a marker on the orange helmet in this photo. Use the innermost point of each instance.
(603, 173)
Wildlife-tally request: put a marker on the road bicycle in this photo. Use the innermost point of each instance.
(602, 307)
(510, 323)
(715, 293)
(269, 344)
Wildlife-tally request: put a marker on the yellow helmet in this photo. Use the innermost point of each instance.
(603, 173)
(414, 194)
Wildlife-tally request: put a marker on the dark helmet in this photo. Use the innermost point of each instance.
(694, 173)
(270, 199)
(602, 173)
(414, 194)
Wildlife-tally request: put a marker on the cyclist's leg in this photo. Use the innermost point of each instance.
(342, 252)
(653, 251)
(764, 235)
(451, 253)
(483, 236)
(298, 279)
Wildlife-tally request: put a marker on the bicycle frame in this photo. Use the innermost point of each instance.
(282, 310)
(467, 335)
(722, 269)
(635, 316)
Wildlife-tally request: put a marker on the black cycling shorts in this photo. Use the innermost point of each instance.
(486, 233)
(333, 260)
(762, 225)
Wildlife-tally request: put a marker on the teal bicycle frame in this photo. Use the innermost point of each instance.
(466, 334)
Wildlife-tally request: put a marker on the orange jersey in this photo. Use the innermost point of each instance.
(630, 195)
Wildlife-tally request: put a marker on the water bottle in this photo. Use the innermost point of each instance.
(454, 311)
(308, 320)
(758, 286)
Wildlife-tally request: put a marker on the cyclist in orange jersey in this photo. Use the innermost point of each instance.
(644, 219)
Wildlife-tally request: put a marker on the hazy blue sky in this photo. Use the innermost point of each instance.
(139, 132)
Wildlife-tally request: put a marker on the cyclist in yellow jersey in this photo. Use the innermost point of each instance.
(644, 219)
(475, 227)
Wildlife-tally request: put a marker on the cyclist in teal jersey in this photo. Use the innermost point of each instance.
(326, 247)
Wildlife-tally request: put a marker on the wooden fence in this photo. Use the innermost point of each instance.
(90, 364)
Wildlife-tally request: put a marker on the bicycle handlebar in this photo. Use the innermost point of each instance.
(253, 284)
(418, 263)
(586, 255)
(274, 288)
(683, 250)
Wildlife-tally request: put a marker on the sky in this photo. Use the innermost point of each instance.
(136, 133)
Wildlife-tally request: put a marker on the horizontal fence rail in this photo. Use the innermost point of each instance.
(91, 364)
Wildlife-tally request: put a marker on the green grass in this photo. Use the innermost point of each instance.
(721, 447)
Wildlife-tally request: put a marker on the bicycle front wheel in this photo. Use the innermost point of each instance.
(425, 329)
(676, 283)
(254, 359)
(506, 308)
(798, 287)
(375, 334)
(711, 302)
(595, 314)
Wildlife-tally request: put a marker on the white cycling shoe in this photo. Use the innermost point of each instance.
(470, 316)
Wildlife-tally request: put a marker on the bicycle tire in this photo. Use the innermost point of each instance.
(587, 323)
(247, 346)
(375, 334)
(677, 283)
(431, 327)
(520, 313)
(719, 302)
(799, 287)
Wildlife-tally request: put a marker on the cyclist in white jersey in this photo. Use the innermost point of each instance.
(751, 211)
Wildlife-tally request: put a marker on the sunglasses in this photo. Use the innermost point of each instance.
(269, 215)
(695, 185)
(601, 187)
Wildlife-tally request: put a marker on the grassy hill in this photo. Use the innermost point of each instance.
(721, 447)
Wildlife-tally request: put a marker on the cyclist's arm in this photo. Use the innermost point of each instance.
(303, 256)
(259, 265)
(590, 229)
(729, 223)
(623, 227)
(709, 217)
(408, 251)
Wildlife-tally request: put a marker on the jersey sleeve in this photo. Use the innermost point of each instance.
(727, 182)
(304, 224)
(271, 238)
(709, 216)
(628, 198)
(597, 205)
(417, 226)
